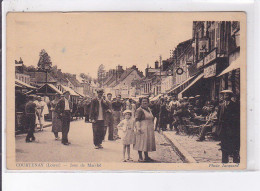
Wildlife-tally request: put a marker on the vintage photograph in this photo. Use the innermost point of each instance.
(126, 91)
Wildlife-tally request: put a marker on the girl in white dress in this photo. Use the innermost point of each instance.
(127, 125)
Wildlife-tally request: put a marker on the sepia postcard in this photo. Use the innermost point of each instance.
(157, 91)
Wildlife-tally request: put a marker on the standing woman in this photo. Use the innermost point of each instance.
(145, 139)
(56, 121)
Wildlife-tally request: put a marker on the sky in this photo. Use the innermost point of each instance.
(80, 42)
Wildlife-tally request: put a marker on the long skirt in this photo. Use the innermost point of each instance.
(56, 123)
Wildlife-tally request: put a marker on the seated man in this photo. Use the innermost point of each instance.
(211, 119)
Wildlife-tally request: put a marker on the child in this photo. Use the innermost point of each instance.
(127, 126)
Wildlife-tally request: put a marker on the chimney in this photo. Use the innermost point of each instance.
(134, 67)
(156, 65)
(120, 68)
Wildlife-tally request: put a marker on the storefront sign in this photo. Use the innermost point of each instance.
(210, 57)
(210, 71)
(203, 45)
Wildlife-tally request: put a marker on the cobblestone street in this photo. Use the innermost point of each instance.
(206, 151)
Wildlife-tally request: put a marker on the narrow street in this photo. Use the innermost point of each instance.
(47, 149)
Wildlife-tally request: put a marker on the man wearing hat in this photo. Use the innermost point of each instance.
(229, 128)
(30, 116)
(63, 109)
(98, 111)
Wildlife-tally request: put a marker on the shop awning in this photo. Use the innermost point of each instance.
(191, 84)
(184, 82)
(234, 65)
(18, 86)
(21, 83)
(72, 92)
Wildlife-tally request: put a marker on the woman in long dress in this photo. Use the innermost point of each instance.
(145, 139)
(56, 122)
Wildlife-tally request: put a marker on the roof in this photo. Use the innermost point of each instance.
(51, 89)
(111, 81)
(40, 77)
(54, 88)
(72, 92)
(126, 73)
(74, 81)
(61, 77)
(23, 84)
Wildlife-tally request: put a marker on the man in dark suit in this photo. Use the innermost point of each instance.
(229, 128)
(30, 111)
(98, 111)
(64, 108)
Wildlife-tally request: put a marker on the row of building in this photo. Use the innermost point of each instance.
(205, 64)
(50, 82)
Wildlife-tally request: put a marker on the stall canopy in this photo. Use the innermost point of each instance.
(48, 89)
(19, 83)
(178, 86)
(234, 65)
(191, 84)
(72, 92)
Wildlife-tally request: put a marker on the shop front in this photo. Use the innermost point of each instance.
(208, 84)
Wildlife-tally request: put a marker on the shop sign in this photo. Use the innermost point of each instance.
(210, 71)
(203, 45)
(210, 57)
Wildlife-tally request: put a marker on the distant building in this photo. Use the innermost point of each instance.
(123, 85)
(74, 84)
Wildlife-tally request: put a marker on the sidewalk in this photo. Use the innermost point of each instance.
(45, 124)
(192, 151)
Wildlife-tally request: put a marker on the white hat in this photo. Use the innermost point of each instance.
(127, 111)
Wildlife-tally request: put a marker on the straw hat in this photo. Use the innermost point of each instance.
(226, 92)
(127, 111)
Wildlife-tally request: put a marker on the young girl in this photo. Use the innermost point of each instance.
(127, 125)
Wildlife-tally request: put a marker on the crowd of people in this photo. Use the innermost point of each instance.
(138, 120)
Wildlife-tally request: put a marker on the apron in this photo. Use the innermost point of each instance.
(145, 141)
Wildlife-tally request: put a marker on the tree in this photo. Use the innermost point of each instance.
(30, 68)
(44, 60)
(101, 74)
